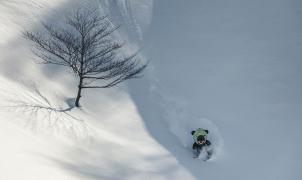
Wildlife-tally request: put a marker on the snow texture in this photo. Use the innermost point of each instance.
(232, 67)
(181, 121)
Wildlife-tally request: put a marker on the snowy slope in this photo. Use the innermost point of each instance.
(230, 66)
(238, 64)
(42, 138)
(109, 145)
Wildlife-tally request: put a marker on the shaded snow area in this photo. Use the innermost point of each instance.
(232, 67)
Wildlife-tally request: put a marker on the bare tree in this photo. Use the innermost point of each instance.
(86, 45)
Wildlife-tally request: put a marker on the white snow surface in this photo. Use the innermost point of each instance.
(233, 67)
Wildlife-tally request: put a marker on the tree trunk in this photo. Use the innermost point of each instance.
(77, 102)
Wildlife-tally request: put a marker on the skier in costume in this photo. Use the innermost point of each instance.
(200, 142)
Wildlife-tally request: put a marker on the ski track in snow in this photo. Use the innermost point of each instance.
(134, 15)
(181, 121)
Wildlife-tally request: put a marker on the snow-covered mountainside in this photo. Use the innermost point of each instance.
(233, 67)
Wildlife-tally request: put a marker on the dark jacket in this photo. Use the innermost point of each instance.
(200, 146)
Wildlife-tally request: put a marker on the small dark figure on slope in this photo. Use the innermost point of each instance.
(200, 142)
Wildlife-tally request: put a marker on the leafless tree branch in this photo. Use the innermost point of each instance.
(87, 45)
